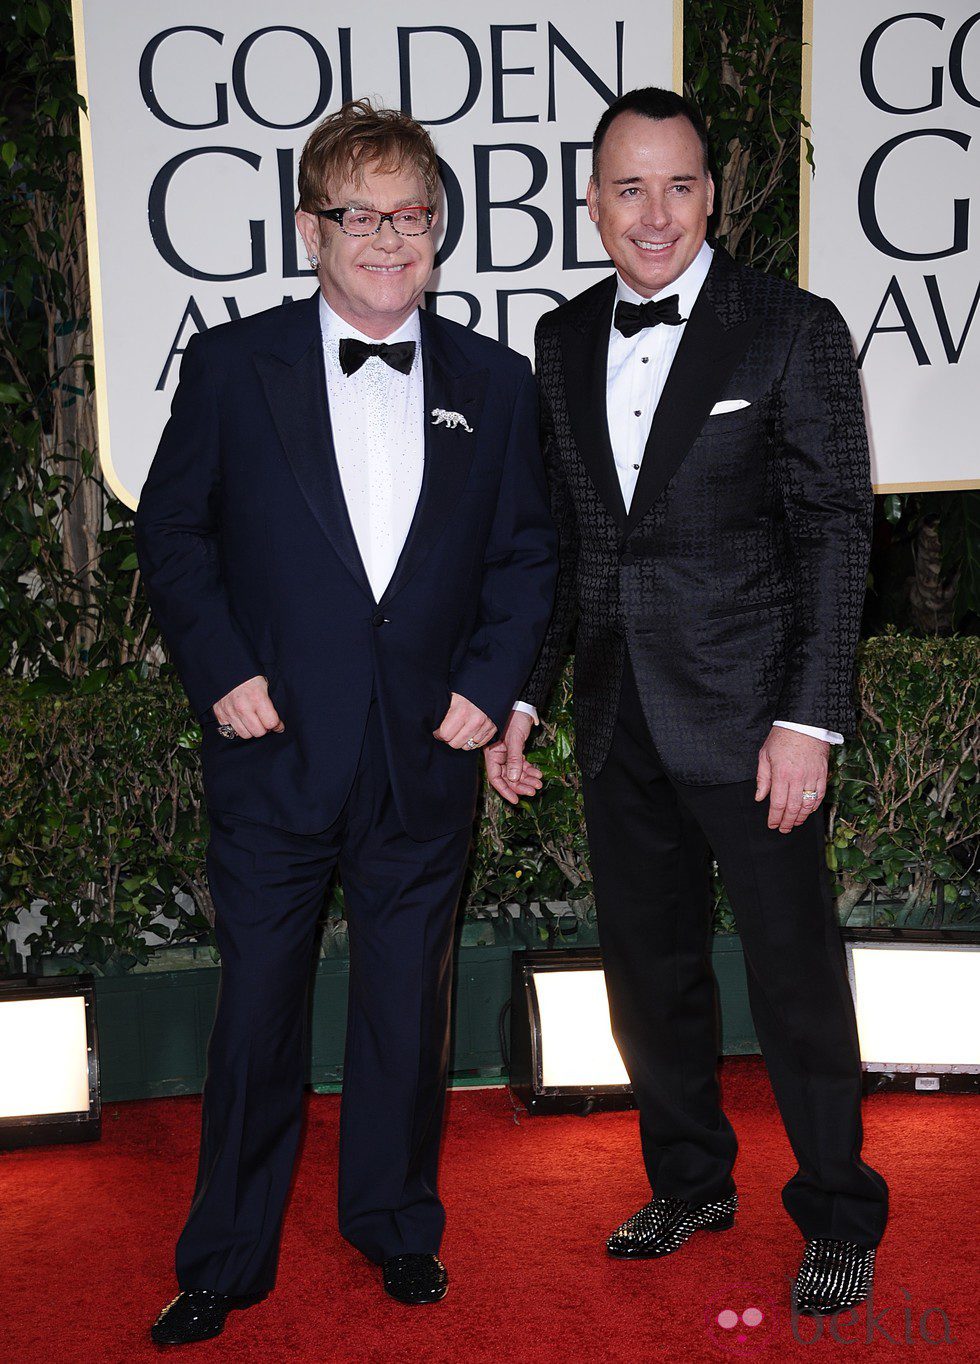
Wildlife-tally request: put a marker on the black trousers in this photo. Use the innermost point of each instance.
(649, 838)
(401, 897)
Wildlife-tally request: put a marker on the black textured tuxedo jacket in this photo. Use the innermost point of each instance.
(737, 578)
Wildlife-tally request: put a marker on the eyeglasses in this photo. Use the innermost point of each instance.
(414, 221)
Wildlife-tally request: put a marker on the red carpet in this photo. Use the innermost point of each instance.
(86, 1237)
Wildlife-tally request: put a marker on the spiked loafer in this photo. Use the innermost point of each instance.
(195, 1315)
(415, 1279)
(664, 1224)
(834, 1276)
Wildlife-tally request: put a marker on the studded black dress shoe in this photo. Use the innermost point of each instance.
(664, 1224)
(415, 1278)
(195, 1315)
(834, 1276)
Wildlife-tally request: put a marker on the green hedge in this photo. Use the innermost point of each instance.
(104, 818)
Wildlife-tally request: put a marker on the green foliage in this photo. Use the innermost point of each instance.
(105, 821)
(742, 64)
(68, 585)
(103, 815)
(906, 817)
(537, 849)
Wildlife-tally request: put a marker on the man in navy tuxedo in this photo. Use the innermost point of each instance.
(346, 542)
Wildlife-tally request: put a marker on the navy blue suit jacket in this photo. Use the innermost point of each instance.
(251, 567)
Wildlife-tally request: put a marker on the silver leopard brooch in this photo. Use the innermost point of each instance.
(440, 417)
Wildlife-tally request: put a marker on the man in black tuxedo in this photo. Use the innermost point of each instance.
(705, 443)
(346, 542)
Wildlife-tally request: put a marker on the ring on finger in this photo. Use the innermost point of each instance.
(471, 743)
(228, 731)
(809, 795)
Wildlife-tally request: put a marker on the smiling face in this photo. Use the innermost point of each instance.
(374, 282)
(652, 199)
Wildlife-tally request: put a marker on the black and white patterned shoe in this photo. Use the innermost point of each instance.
(664, 1224)
(834, 1276)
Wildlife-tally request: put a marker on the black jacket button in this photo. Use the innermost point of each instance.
(379, 618)
(626, 558)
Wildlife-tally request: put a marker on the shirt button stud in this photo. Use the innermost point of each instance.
(644, 359)
(637, 413)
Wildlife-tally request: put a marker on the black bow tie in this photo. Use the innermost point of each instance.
(353, 353)
(634, 317)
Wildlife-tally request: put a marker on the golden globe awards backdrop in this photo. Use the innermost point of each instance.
(892, 229)
(197, 114)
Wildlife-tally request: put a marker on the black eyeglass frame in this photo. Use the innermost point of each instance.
(336, 215)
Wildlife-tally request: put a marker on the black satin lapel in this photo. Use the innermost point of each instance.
(449, 453)
(705, 361)
(297, 395)
(585, 350)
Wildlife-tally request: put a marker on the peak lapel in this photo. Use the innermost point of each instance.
(449, 452)
(715, 338)
(585, 348)
(296, 391)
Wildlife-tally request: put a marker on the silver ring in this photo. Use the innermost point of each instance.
(471, 743)
(228, 731)
(809, 795)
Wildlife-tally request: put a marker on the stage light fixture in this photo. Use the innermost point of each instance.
(563, 1057)
(49, 1061)
(917, 998)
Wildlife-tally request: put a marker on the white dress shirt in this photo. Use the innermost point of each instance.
(377, 416)
(637, 368)
(636, 372)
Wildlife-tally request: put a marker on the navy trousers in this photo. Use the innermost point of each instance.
(268, 889)
(649, 843)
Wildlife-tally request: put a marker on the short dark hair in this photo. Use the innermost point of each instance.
(650, 102)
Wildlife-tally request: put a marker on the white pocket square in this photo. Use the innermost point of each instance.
(729, 405)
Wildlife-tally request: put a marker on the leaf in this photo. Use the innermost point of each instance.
(93, 681)
(39, 17)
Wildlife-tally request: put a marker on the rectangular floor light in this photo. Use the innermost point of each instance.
(49, 1061)
(563, 1058)
(917, 998)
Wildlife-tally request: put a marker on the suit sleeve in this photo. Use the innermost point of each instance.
(177, 543)
(556, 642)
(825, 482)
(519, 569)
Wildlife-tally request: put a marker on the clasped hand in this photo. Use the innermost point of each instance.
(249, 710)
(464, 725)
(508, 771)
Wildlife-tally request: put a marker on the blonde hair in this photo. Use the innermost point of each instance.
(345, 143)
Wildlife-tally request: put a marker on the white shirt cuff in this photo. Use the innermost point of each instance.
(525, 709)
(829, 736)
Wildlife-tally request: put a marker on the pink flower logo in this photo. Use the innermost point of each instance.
(740, 1318)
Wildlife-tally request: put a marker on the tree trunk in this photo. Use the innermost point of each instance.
(932, 593)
